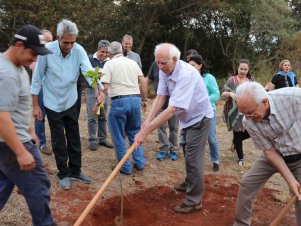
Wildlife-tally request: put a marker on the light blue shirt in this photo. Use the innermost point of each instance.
(212, 89)
(187, 93)
(59, 76)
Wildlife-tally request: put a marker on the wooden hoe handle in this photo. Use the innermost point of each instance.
(104, 186)
(284, 210)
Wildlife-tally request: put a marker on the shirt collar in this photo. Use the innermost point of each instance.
(272, 106)
(95, 57)
(118, 55)
(59, 52)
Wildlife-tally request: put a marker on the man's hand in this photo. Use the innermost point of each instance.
(26, 161)
(100, 96)
(295, 189)
(139, 139)
(37, 113)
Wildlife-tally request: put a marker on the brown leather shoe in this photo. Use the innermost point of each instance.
(183, 208)
(45, 150)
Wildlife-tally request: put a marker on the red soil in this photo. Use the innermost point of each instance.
(154, 206)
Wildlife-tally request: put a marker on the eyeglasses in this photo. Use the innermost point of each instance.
(67, 43)
(251, 114)
(162, 63)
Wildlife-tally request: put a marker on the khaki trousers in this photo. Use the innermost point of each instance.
(252, 181)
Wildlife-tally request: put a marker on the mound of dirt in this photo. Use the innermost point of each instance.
(154, 206)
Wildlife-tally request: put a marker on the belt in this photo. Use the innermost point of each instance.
(189, 127)
(292, 158)
(124, 96)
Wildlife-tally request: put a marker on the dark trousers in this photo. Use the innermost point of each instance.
(65, 140)
(34, 185)
(79, 97)
(238, 138)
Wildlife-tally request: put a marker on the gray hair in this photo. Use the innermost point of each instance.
(115, 48)
(66, 27)
(253, 90)
(126, 36)
(103, 43)
(173, 50)
(46, 31)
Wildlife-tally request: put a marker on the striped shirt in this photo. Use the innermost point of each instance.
(282, 128)
(187, 93)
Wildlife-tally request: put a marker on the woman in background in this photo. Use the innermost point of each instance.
(233, 117)
(283, 78)
(213, 92)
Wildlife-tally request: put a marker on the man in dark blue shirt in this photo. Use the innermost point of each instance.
(97, 124)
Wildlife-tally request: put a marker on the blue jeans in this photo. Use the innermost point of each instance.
(212, 140)
(97, 124)
(39, 125)
(34, 185)
(125, 120)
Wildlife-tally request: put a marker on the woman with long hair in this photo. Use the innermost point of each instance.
(213, 92)
(231, 115)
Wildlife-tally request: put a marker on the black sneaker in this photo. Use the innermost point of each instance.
(181, 187)
(183, 208)
(215, 167)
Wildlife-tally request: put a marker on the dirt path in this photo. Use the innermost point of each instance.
(148, 195)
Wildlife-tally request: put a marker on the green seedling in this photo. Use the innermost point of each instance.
(95, 76)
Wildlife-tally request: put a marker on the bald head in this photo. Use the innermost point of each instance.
(47, 35)
(166, 57)
(170, 49)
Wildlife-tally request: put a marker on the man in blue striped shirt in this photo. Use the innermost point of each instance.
(59, 74)
(190, 103)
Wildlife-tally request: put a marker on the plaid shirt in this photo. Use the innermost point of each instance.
(282, 129)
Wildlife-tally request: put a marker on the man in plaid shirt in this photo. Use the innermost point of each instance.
(273, 120)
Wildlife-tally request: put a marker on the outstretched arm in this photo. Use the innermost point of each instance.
(149, 126)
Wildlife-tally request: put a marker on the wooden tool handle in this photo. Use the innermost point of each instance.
(104, 187)
(284, 211)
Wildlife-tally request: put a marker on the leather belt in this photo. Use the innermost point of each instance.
(292, 158)
(124, 96)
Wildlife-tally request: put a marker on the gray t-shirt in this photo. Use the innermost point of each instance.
(135, 57)
(15, 97)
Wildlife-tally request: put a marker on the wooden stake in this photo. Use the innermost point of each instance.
(104, 187)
